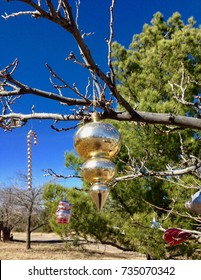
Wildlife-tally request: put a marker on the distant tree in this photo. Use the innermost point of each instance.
(8, 218)
(31, 205)
(22, 209)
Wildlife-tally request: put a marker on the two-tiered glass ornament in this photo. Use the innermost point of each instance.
(97, 143)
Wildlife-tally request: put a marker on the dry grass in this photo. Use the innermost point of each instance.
(43, 247)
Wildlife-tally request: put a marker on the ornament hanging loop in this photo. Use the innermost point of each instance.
(95, 116)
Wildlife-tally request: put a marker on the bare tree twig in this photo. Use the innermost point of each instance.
(176, 172)
(50, 172)
(110, 42)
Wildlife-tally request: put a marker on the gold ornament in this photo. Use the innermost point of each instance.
(98, 143)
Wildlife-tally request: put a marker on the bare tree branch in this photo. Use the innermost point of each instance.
(50, 172)
(22, 89)
(142, 117)
(139, 174)
(61, 14)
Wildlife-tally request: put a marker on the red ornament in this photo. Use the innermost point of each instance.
(63, 212)
(175, 236)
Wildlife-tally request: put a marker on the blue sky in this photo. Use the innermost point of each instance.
(36, 42)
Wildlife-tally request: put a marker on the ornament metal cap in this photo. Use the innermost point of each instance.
(99, 193)
(95, 116)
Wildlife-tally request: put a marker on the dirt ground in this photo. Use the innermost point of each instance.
(49, 246)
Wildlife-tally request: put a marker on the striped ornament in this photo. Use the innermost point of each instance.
(31, 134)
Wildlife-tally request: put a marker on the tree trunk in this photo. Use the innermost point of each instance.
(6, 234)
(28, 240)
